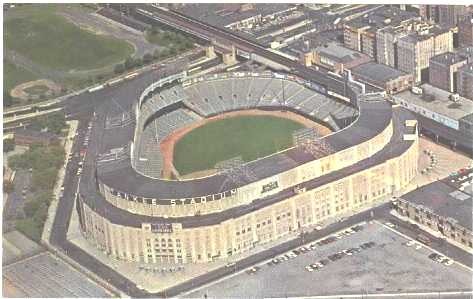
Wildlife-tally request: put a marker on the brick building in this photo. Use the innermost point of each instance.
(443, 70)
(383, 76)
(415, 50)
(465, 81)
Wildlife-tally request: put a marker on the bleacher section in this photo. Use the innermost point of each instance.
(215, 96)
(148, 158)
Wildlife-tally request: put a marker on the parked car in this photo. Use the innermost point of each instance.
(324, 262)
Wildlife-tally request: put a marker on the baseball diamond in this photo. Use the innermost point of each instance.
(251, 137)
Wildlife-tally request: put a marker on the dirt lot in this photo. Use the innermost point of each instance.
(167, 145)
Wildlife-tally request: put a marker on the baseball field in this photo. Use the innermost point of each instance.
(248, 136)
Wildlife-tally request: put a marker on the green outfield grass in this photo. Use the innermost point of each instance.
(250, 137)
(40, 34)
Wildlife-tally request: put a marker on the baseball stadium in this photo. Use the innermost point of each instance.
(198, 169)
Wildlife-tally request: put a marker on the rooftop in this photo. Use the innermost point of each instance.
(339, 52)
(467, 52)
(448, 58)
(468, 68)
(445, 200)
(425, 34)
(437, 100)
(223, 14)
(377, 71)
(382, 17)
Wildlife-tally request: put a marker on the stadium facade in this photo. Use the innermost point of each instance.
(127, 210)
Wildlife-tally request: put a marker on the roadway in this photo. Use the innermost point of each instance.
(84, 101)
(13, 207)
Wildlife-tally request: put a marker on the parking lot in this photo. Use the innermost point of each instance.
(44, 275)
(371, 260)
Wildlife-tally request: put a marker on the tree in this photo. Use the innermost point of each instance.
(43, 179)
(129, 63)
(172, 50)
(56, 123)
(7, 99)
(119, 68)
(38, 124)
(164, 53)
(17, 162)
(154, 29)
(31, 206)
(100, 77)
(147, 58)
(8, 145)
(138, 62)
(31, 229)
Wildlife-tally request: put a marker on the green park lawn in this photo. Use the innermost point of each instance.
(41, 35)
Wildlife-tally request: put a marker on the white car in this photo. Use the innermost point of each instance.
(390, 224)
(347, 252)
(347, 232)
(318, 227)
(410, 243)
(442, 259)
(309, 268)
(418, 246)
(319, 265)
(447, 262)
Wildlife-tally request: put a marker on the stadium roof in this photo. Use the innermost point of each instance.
(90, 195)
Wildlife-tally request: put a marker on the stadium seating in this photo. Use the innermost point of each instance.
(219, 94)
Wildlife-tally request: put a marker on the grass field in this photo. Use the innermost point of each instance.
(15, 75)
(250, 137)
(38, 33)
